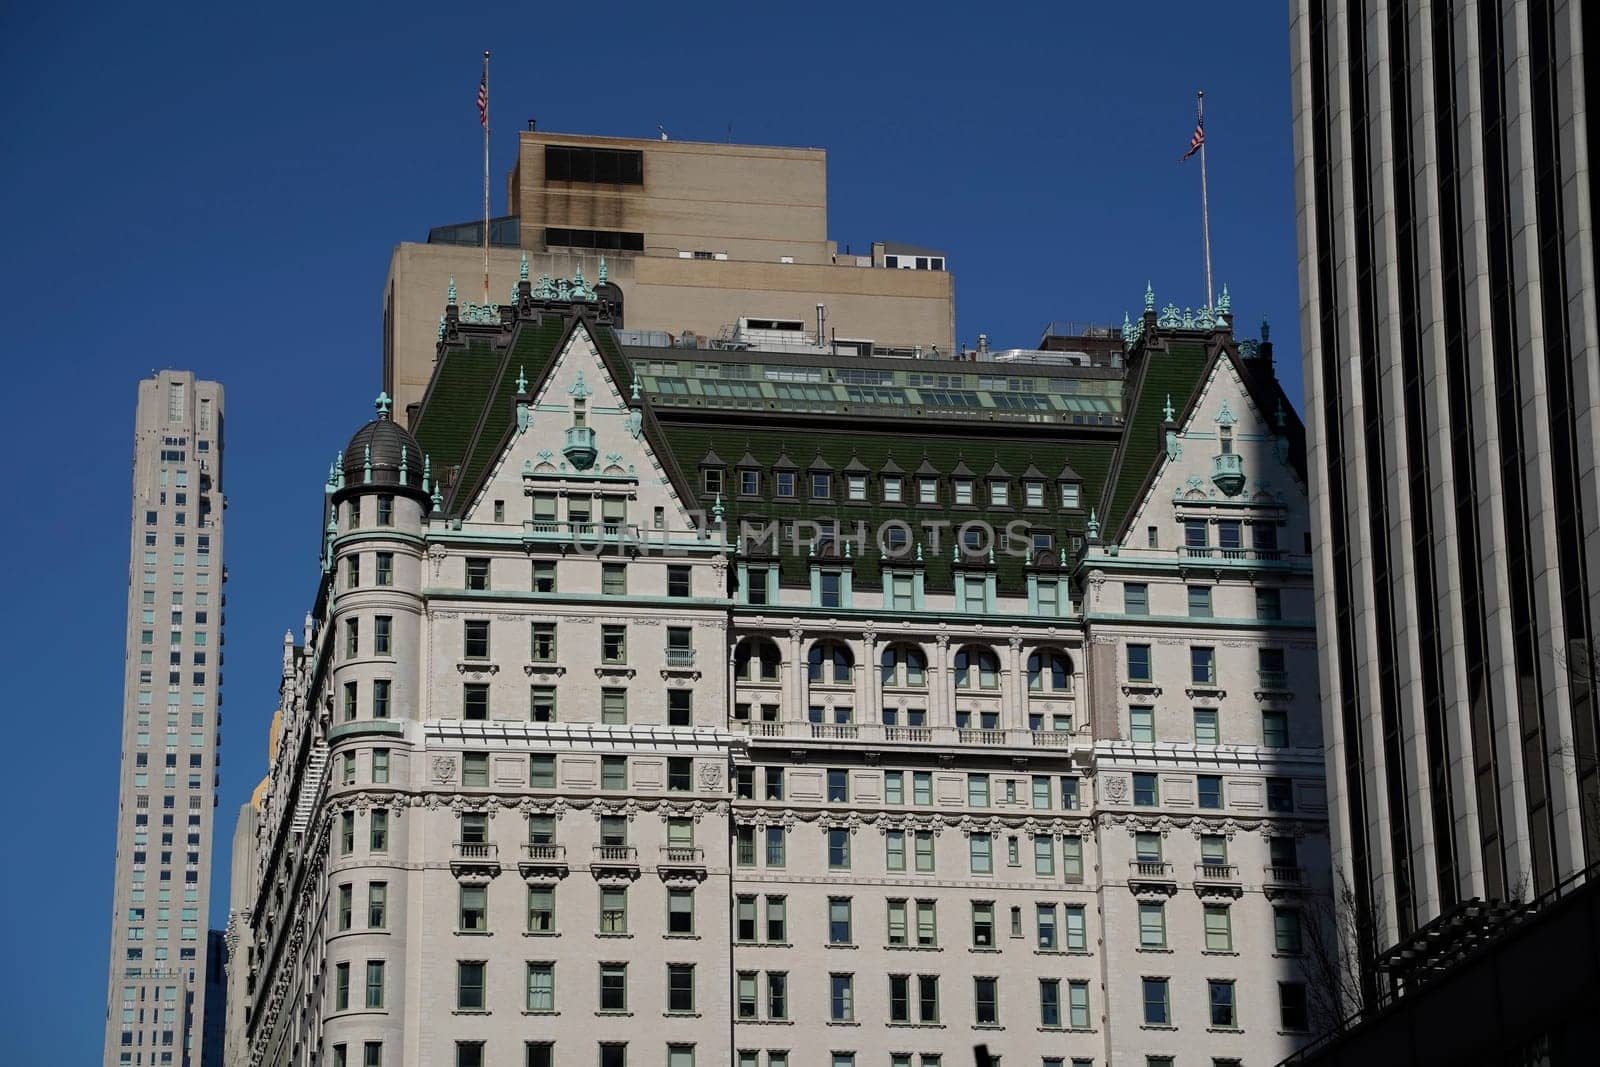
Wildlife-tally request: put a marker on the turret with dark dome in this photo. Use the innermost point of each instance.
(383, 455)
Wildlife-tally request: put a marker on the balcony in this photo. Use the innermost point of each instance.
(540, 860)
(1227, 472)
(1278, 880)
(1217, 879)
(580, 449)
(872, 733)
(1273, 681)
(1151, 877)
(681, 861)
(475, 858)
(615, 862)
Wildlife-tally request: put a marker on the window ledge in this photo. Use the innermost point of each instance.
(1224, 1029)
(840, 945)
(615, 1014)
(986, 951)
(680, 1015)
(765, 1022)
(471, 1011)
(472, 933)
(987, 1026)
(1155, 951)
(541, 933)
(1062, 952)
(529, 1011)
(843, 1022)
(921, 948)
(1218, 952)
(907, 1025)
(612, 935)
(1156, 1026)
(681, 937)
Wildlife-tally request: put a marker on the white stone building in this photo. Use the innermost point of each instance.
(574, 765)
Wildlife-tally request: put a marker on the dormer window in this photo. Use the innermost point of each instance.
(963, 491)
(927, 490)
(1000, 494)
(749, 483)
(821, 486)
(1034, 494)
(858, 486)
(891, 489)
(785, 483)
(1070, 495)
(712, 479)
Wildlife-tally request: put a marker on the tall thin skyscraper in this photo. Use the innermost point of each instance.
(1447, 276)
(155, 997)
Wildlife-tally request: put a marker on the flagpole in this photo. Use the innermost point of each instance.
(1205, 207)
(486, 178)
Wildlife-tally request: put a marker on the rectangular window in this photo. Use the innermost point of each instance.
(542, 987)
(475, 769)
(1077, 937)
(1292, 1015)
(477, 573)
(1219, 928)
(1199, 602)
(1203, 666)
(680, 989)
(1045, 926)
(542, 772)
(821, 486)
(986, 1001)
(614, 579)
(777, 920)
(385, 510)
(784, 481)
(544, 642)
(469, 985)
(838, 786)
(1142, 724)
(981, 853)
(613, 910)
(613, 772)
(894, 843)
(1078, 1009)
(838, 848)
(1135, 598)
(677, 581)
(1070, 495)
(1209, 789)
(378, 831)
(380, 766)
(374, 984)
(977, 790)
(377, 905)
(680, 774)
(922, 840)
(1145, 793)
(921, 788)
(1286, 931)
(776, 846)
(1205, 727)
(1139, 663)
(383, 635)
(1274, 729)
(1269, 604)
(345, 906)
(1152, 925)
(341, 987)
(613, 987)
(839, 925)
(544, 576)
(475, 701)
(680, 707)
(541, 909)
(1280, 794)
(1220, 995)
(1033, 492)
(542, 703)
(352, 572)
(1195, 535)
(1049, 1003)
(385, 571)
(614, 707)
(1156, 1010)
(613, 644)
(841, 997)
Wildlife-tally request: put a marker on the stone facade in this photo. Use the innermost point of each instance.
(564, 751)
(156, 994)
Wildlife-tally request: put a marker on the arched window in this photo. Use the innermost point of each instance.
(756, 660)
(977, 668)
(905, 665)
(1049, 671)
(830, 662)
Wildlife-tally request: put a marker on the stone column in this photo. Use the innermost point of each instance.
(1018, 686)
(867, 680)
(942, 683)
(797, 676)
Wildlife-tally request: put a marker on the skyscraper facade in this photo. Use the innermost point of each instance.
(1447, 269)
(766, 706)
(156, 990)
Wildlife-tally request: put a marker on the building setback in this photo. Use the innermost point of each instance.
(696, 235)
(575, 738)
(156, 994)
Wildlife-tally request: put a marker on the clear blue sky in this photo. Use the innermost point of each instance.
(218, 187)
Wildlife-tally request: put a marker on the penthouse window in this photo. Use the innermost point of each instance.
(610, 166)
(604, 240)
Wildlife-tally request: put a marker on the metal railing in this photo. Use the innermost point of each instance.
(680, 657)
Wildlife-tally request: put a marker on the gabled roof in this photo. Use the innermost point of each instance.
(998, 471)
(890, 467)
(962, 470)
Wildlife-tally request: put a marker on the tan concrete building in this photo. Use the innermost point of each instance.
(695, 235)
(627, 732)
(155, 999)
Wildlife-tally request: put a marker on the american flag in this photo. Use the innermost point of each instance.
(483, 100)
(1195, 142)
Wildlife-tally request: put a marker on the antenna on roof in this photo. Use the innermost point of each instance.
(662, 130)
